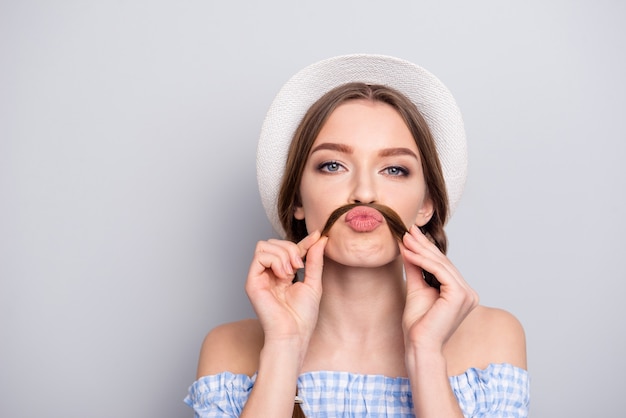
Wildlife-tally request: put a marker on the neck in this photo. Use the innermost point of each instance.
(359, 328)
(361, 304)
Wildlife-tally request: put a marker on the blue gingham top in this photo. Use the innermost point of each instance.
(500, 390)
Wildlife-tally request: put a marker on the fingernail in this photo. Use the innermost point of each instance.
(289, 269)
(299, 263)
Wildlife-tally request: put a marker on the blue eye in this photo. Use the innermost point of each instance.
(331, 166)
(397, 171)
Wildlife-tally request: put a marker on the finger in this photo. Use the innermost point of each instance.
(269, 261)
(413, 273)
(315, 263)
(441, 272)
(416, 240)
(427, 255)
(307, 242)
(296, 252)
(274, 255)
(292, 258)
(453, 286)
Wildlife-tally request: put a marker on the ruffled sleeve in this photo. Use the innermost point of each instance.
(500, 390)
(221, 395)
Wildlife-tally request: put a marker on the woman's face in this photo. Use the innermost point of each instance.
(364, 153)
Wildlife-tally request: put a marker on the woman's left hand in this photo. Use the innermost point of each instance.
(431, 316)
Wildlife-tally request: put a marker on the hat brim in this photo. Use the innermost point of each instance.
(426, 91)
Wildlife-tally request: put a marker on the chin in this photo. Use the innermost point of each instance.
(362, 253)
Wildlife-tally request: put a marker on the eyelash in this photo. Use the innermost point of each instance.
(401, 171)
(324, 166)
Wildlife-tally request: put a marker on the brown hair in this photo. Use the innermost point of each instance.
(309, 128)
(297, 410)
(394, 222)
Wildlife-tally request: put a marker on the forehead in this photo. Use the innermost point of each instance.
(366, 122)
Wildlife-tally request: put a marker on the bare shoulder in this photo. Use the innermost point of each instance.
(488, 335)
(232, 347)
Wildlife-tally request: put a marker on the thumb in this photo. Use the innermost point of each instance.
(315, 264)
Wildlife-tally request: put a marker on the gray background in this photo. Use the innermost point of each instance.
(129, 208)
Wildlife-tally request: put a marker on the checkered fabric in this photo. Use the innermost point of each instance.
(500, 390)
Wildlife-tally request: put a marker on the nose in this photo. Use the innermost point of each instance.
(363, 189)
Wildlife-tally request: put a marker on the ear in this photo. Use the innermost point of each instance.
(298, 212)
(425, 212)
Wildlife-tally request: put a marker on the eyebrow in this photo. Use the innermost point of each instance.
(333, 147)
(387, 152)
(390, 152)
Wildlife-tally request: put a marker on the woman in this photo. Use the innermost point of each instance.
(378, 325)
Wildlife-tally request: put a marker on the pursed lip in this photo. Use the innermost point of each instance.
(363, 219)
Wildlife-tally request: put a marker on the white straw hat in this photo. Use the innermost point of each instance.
(431, 97)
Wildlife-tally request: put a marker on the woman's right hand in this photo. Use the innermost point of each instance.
(287, 310)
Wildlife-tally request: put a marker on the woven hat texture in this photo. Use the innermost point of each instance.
(431, 97)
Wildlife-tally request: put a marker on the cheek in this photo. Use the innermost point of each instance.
(314, 211)
(317, 205)
(408, 213)
(316, 218)
(410, 219)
